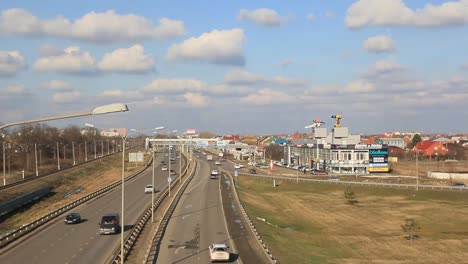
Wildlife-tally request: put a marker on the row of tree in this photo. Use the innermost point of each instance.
(19, 143)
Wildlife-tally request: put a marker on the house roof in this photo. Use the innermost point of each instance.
(423, 145)
(442, 139)
(280, 141)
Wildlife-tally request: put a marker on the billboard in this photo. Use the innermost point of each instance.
(190, 131)
(378, 158)
(135, 157)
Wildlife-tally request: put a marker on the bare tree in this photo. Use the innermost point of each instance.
(411, 227)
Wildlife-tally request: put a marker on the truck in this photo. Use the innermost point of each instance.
(209, 157)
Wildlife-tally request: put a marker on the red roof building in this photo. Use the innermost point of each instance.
(232, 137)
(430, 148)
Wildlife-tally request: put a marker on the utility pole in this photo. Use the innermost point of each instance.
(58, 157)
(417, 171)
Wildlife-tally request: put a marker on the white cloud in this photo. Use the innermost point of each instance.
(96, 27)
(262, 16)
(57, 85)
(131, 60)
(395, 13)
(360, 86)
(14, 90)
(243, 77)
(174, 86)
(217, 46)
(310, 16)
(72, 60)
(123, 94)
(267, 97)
(66, 97)
(382, 67)
(49, 50)
(227, 89)
(11, 62)
(379, 44)
(196, 99)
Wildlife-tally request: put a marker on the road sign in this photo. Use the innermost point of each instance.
(169, 179)
(235, 173)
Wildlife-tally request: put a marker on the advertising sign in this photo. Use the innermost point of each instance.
(203, 143)
(190, 132)
(378, 158)
(135, 157)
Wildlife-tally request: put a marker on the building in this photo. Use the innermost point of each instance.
(430, 148)
(396, 142)
(113, 132)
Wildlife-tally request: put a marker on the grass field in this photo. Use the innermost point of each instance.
(310, 223)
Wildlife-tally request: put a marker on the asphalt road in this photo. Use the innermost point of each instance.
(197, 222)
(81, 243)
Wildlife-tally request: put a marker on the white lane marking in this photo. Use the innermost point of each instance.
(188, 206)
(52, 245)
(224, 218)
(185, 216)
(179, 248)
(74, 256)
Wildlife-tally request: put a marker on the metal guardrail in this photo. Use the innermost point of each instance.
(22, 200)
(143, 219)
(26, 228)
(372, 184)
(153, 247)
(32, 178)
(258, 238)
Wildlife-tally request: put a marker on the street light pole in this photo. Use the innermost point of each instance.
(180, 163)
(124, 138)
(95, 155)
(169, 170)
(35, 155)
(73, 153)
(417, 172)
(102, 148)
(58, 157)
(4, 171)
(86, 151)
(152, 192)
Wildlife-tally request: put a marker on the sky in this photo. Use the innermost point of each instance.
(237, 67)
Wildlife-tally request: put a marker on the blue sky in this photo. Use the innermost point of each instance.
(238, 66)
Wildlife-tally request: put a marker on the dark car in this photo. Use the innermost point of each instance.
(458, 184)
(253, 171)
(72, 218)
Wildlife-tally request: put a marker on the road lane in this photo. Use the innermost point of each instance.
(197, 222)
(81, 243)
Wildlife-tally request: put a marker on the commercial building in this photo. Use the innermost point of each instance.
(338, 152)
(397, 142)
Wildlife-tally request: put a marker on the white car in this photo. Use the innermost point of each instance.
(237, 166)
(217, 163)
(214, 172)
(218, 252)
(149, 188)
(164, 168)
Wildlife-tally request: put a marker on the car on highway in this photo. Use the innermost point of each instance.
(164, 168)
(217, 163)
(219, 252)
(253, 171)
(72, 218)
(214, 173)
(149, 188)
(458, 184)
(237, 166)
(110, 224)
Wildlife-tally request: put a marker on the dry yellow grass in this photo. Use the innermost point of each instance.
(326, 230)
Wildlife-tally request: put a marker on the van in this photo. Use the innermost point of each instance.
(110, 224)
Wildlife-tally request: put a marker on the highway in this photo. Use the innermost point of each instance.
(197, 222)
(81, 243)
